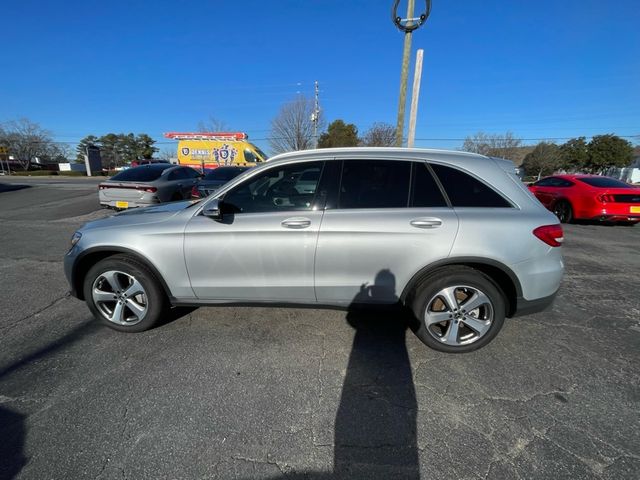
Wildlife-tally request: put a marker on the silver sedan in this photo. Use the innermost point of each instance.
(148, 185)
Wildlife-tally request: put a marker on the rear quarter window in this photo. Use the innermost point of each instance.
(604, 182)
(466, 191)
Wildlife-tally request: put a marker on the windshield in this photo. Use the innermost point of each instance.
(261, 153)
(145, 173)
(223, 173)
(604, 182)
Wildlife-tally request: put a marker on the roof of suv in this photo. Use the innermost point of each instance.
(376, 150)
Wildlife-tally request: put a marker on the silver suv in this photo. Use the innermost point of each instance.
(455, 238)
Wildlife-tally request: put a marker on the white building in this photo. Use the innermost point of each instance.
(630, 174)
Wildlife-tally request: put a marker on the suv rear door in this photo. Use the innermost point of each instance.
(387, 220)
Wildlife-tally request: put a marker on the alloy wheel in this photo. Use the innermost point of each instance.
(562, 211)
(459, 315)
(120, 298)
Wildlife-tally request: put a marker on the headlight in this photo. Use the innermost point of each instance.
(75, 238)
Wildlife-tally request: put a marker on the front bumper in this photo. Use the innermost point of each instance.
(69, 262)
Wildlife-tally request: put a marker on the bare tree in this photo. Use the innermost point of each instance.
(212, 125)
(379, 135)
(493, 145)
(167, 155)
(26, 141)
(59, 152)
(292, 128)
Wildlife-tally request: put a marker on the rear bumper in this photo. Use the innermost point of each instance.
(617, 218)
(528, 307)
(130, 204)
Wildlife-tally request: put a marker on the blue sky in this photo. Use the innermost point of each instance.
(541, 69)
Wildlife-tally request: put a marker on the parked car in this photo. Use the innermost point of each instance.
(147, 161)
(214, 179)
(589, 197)
(454, 237)
(147, 185)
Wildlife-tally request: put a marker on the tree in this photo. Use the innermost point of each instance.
(58, 153)
(608, 151)
(81, 148)
(110, 150)
(339, 134)
(144, 148)
(292, 128)
(212, 125)
(379, 135)
(118, 149)
(493, 145)
(167, 155)
(543, 160)
(26, 141)
(574, 154)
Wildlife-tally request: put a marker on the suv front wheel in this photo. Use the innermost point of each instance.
(123, 294)
(458, 309)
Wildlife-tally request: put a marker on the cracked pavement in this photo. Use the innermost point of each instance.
(309, 393)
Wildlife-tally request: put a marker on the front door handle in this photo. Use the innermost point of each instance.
(296, 222)
(426, 222)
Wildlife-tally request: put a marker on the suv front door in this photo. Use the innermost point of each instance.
(263, 247)
(390, 219)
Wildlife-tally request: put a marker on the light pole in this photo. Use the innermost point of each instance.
(406, 25)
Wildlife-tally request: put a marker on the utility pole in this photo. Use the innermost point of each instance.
(315, 116)
(404, 74)
(407, 25)
(415, 95)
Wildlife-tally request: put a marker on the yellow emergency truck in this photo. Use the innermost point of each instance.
(202, 150)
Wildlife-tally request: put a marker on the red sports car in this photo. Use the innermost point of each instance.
(589, 197)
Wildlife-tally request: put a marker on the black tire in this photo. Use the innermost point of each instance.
(563, 211)
(176, 197)
(152, 297)
(466, 282)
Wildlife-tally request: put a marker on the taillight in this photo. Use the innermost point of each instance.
(550, 234)
(606, 198)
(147, 189)
(102, 187)
(194, 192)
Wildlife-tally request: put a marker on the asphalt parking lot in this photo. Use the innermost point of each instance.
(267, 393)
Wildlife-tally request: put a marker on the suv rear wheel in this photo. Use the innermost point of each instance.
(458, 309)
(123, 294)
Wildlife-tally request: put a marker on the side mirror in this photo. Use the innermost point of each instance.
(213, 210)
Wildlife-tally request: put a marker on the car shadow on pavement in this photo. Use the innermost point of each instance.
(77, 333)
(375, 434)
(12, 433)
(10, 187)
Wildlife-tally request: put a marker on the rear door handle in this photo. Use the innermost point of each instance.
(296, 222)
(426, 222)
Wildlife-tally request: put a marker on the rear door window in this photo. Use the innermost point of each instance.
(178, 174)
(191, 173)
(374, 184)
(466, 191)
